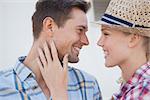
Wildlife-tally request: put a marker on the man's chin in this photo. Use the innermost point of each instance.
(73, 60)
(108, 65)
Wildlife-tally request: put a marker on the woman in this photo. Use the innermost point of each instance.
(125, 41)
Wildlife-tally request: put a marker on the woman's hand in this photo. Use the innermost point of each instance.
(54, 74)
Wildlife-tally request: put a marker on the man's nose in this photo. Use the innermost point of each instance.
(84, 40)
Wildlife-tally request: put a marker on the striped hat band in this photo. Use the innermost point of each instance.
(109, 19)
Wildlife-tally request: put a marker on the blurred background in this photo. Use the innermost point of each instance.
(16, 40)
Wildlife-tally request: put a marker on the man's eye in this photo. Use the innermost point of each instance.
(106, 34)
(80, 30)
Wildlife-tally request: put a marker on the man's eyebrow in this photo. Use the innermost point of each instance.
(84, 27)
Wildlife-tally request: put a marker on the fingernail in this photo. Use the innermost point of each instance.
(52, 41)
(45, 42)
(39, 50)
(67, 54)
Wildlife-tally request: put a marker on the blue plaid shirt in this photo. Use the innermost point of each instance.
(19, 83)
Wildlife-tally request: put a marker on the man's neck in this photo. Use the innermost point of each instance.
(31, 63)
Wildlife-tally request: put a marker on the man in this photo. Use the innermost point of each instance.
(125, 41)
(64, 22)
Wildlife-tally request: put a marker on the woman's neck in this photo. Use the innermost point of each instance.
(129, 67)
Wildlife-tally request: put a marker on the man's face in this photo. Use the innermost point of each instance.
(115, 46)
(71, 37)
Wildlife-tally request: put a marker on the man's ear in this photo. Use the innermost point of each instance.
(134, 39)
(49, 25)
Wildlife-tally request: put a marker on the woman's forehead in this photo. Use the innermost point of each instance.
(105, 27)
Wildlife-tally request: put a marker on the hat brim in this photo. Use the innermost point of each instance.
(136, 30)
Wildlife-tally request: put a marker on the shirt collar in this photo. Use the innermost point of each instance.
(139, 75)
(22, 71)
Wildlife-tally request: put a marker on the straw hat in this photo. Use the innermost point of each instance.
(131, 15)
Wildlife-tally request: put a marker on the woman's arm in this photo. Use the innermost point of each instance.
(54, 74)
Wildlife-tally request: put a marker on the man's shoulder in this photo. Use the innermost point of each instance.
(6, 75)
(5, 71)
(7, 83)
(80, 75)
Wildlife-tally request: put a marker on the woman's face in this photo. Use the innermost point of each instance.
(115, 46)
